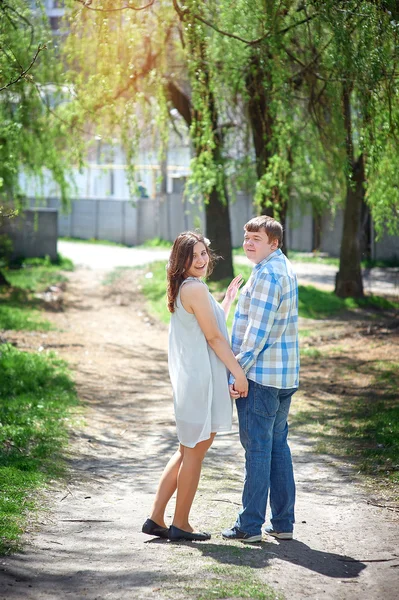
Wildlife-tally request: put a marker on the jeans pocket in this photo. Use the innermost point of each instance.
(266, 402)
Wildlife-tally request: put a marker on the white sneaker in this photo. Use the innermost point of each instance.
(281, 535)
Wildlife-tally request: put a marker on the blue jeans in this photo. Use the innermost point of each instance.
(262, 417)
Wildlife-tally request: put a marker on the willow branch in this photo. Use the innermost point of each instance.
(182, 12)
(6, 7)
(22, 75)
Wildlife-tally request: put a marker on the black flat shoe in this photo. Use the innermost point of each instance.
(176, 534)
(151, 528)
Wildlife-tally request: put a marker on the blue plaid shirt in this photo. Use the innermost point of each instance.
(265, 328)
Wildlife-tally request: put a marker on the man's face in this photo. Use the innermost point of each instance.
(257, 246)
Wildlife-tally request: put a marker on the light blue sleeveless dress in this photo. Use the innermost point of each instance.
(199, 378)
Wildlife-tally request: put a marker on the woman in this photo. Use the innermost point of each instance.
(199, 357)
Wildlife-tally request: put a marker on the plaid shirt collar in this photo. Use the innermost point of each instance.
(265, 260)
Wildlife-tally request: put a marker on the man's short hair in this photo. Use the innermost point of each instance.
(273, 229)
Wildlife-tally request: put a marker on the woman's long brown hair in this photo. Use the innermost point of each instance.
(181, 259)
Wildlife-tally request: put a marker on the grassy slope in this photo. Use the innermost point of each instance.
(19, 308)
(36, 397)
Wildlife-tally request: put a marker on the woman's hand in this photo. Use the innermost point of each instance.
(233, 393)
(233, 288)
(231, 294)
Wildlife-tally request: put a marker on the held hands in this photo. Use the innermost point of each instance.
(233, 392)
(239, 389)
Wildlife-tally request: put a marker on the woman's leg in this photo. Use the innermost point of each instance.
(166, 487)
(187, 482)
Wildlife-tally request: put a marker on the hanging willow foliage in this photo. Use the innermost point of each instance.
(34, 135)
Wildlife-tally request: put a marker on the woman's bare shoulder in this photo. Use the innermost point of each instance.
(193, 288)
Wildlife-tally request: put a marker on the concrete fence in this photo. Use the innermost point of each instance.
(133, 223)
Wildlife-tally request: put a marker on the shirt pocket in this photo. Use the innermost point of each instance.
(266, 402)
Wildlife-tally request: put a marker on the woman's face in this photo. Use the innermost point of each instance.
(200, 262)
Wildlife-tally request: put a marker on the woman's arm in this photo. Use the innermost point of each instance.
(195, 299)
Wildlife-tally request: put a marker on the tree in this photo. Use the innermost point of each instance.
(136, 94)
(258, 70)
(34, 138)
(361, 68)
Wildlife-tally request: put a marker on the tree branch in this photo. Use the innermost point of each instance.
(182, 12)
(180, 101)
(22, 75)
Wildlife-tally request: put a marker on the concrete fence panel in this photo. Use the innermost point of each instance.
(241, 210)
(84, 219)
(331, 233)
(146, 219)
(387, 248)
(299, 229)
(64, 218)
(110, 220)
(130, 225)
(134, 222)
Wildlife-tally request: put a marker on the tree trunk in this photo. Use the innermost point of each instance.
(349, 281)
(218, 231)
(261, 121)
(217, 216)
(259, 116)
(365, 231)
(3, 280)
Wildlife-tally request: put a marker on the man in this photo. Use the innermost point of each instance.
(265, 342)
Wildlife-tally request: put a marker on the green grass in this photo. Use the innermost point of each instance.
(315, 257)
(19, 306)
(357, 423)
(311, 352)
(35, 274)
(22, 319)
(231, 581)
(154, 289)
(156, 243)
(36, 398)
(92, 241)
(319, 304)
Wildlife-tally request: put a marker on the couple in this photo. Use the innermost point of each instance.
(263, 365)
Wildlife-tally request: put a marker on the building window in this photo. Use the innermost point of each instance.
(55, 23)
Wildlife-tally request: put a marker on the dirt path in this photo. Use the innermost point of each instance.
(88, 544)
